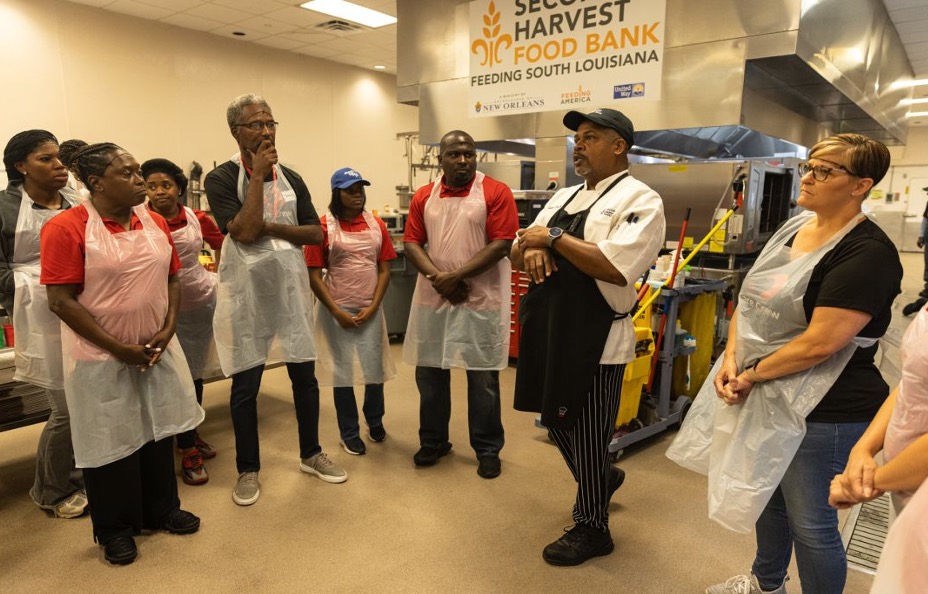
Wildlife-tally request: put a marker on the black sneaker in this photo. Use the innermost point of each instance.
(488, 466)
(427, 455)
(354, 446)
(616, 478)
(180, 522)
(578, 544)
(378, 433)
(121, 550)
(914, 306)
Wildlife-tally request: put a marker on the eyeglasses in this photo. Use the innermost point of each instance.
(257, 126)
(820, 172)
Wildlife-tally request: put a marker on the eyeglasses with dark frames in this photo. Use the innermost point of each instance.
(259, 125)
(820, 172)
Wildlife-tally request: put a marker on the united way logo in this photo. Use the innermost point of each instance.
(628, 91)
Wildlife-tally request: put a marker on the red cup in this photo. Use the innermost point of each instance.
(8, 334)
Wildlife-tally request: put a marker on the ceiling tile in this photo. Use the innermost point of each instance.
(229, 30)
(309, 37)
(189, 21)
(269, 26)
(280, 43)
(318, 51)
(137, 9)
(299, 16)
(253, 6)
(219, 13)
(910, 14)
(175, 5)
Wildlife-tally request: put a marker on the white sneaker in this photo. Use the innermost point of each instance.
(324, 468)
(744, 584)
(246, 489)
(72, 506)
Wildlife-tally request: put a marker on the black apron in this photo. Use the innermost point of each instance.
(565, 323)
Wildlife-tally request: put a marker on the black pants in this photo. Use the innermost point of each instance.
(132, 493)
(585, 447)
(244, 407)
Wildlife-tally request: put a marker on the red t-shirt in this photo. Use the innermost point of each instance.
(211, 233)
(502, 215)
(317, 256)
(62, 245)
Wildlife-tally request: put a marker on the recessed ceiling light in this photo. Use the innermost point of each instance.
(380, 67)
(239, 33)
(351, 12)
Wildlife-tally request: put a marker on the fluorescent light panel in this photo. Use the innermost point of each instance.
(913, 101)
(350, 12)
(915, 114)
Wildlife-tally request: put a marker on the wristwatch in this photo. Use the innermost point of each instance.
(553, 233)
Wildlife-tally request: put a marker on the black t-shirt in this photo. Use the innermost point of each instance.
(862, 272)
(221, 186)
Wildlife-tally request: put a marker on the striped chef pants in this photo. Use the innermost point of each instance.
(585, 447)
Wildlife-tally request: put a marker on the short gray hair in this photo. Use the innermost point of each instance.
(238, 105)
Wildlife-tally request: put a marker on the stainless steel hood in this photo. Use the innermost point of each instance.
(742, 79)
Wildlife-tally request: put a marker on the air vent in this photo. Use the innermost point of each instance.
(339, 27)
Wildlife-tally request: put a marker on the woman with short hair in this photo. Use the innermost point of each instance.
(110, 269)
(797, 385)
(166, 183)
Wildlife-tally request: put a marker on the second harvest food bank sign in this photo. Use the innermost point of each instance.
(545, 55)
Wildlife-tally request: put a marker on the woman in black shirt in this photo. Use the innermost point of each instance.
(799, 363)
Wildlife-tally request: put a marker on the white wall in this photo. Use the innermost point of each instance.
(162, 91)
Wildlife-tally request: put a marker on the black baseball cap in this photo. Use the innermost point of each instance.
(607, 118)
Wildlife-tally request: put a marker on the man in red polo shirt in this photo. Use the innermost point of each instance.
(458, 234)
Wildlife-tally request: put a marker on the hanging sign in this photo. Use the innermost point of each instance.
(546, 55)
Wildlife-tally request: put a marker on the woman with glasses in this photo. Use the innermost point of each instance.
(797, 386)
(351, 331)
(36, 194)
(110, 269)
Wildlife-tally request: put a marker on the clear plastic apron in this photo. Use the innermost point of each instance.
(38, 330)
(351, 356)
(746, 449)
(115, 408)
(474, 334)
(909, 420)
(264, 306)
(197, 300)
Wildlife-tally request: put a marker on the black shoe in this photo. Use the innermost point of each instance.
(488, 466)
(354, 446)
(180, 522)
(121, 550)
(914, 306)
(579, 544)
(616, 478)
(378, 433)
(427, 455)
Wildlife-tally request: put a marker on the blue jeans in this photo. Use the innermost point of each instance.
(244, 408)
(798, 514)
(483, 408)
(346, 408)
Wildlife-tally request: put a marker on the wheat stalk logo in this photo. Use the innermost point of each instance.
(492, 44)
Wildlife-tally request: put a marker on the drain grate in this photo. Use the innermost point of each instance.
(864, 533)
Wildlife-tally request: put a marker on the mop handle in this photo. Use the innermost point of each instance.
(692, 254)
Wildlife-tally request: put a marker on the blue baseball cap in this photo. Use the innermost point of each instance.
(347, 177)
